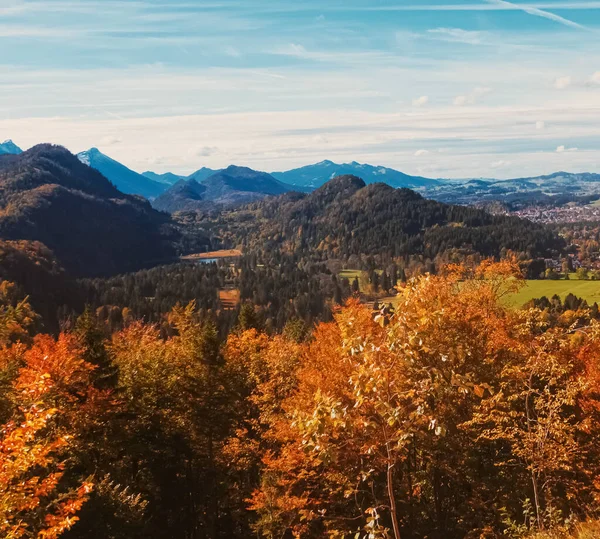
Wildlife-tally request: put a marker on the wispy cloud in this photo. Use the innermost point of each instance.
(490, 6)
(539, 13)
(563, 82)
(500, 163)
(562, 149)
(30, 31)
(420, 101)
(457, 35)
(472, 97)
(339, 57)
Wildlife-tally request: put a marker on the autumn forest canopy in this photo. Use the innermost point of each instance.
(354, 369)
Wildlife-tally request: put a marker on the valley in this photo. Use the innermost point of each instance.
(276, 269)
(175, 329)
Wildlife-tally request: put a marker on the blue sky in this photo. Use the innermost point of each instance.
(446, 88)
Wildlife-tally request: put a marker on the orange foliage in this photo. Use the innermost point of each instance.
(35, 441)
(391, 420)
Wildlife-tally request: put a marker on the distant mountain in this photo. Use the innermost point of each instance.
(516, 192)
(168, 177)
(50, 196)
(346, 217)
(231, 186)
(314, 176)
(9, 147)
(203, 173)
(185, 195)
(125, 179)
(241, 184)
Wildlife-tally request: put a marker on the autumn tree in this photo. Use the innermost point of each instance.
(36, 496)
(421, 422)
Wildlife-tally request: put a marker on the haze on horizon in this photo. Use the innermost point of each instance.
(438, 88)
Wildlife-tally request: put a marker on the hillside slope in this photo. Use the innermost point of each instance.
(185, 195)
(168, 177)
(125, 179)
(48, 195)
(347, 217)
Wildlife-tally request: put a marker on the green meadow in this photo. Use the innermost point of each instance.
(588, 290)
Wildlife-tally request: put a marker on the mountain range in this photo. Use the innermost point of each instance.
(229, 187)
(48, 195)
(551, 188)
(313, 176)
(242, 186)
(556, 188)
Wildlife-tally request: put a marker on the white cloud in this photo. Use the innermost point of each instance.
(420, 101)
(23, 31)
(563, 149)
(499, 164)
(457, 35)
(563, 82)
(420, 153)
(233, 52)
(540, 125)
(596, 77)
(473, 97)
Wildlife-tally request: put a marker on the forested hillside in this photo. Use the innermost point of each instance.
(345, 217)
(48, 195)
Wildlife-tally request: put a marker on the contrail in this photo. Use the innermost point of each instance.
(539, 13)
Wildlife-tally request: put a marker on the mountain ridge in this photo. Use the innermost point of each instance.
(125, 179)
(166, 177)
(48, 195)
(9, 147)
(526, 190)
(231, 186)
(317, 174)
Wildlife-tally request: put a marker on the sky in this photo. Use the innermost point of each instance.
(437, 88)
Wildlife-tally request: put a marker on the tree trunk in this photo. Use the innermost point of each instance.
(390, 488)
(536, 496)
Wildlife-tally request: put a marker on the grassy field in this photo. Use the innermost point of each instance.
(588, 290)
